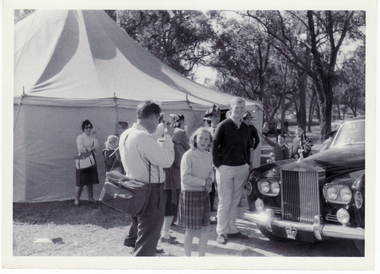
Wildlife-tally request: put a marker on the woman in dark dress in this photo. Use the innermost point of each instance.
(86, 142)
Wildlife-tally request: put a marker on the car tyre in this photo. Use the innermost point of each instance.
(360, 246)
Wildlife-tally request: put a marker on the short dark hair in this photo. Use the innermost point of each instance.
(85, 123)
(147, 109)
(124, 125)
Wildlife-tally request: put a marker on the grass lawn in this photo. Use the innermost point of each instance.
(97, 230)
(82, 229)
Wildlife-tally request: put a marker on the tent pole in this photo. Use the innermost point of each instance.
(191, 107)
(20, 104)
(117, 113)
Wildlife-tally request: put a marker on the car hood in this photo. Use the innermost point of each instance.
(337, 160)
(334, 161)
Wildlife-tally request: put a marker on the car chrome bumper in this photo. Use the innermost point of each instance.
(267, 219)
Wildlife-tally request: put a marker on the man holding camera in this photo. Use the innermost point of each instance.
(143, 159)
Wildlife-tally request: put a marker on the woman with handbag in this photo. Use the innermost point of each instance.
(87, 142)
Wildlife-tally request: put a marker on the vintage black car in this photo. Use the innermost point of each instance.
(316, 198)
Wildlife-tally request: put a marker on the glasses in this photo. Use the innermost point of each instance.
(88, 127)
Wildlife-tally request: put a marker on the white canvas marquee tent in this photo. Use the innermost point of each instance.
(72, 65)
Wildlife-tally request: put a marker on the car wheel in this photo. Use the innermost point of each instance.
(248, 188)
(360, 246)
(270, 235)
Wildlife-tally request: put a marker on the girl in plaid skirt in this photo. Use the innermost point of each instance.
(196, 180)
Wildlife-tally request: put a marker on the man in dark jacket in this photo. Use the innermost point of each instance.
(231, 155)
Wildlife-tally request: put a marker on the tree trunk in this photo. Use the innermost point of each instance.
(301, 115)
(326, 110)
(311, 110)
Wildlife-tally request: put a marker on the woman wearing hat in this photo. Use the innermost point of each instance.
(212, 118)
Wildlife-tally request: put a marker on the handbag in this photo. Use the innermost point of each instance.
(125, 194)
(85, 160)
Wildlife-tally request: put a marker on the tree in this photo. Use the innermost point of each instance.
(178, 38)
(282, 88)
(21, 14)
(241, 57)
(325, 33)
(248, 66)
(352, 87)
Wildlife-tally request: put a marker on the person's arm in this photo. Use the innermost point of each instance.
(95, 144)
(218, 140)
(286, 152)
(325, 145)
(178, 153)
(256, 138)
(308, 143)
(80, 144)
(294, 149)
(187, 177)
(270, 142)
(158, 153)
(249, 147)
(112, 161)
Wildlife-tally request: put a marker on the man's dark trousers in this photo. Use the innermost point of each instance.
(149, 225)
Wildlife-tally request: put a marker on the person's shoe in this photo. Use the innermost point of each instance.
(171, 240)
(159, 251)
(238, 235)
(220, 239)
(76, 203)
(213, 220)
(130, 243)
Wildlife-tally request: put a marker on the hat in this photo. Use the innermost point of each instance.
(177, 117)
(334, 129)
(331, 133)
(213, 110)
(247, 115)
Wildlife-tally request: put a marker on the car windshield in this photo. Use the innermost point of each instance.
(349, 133)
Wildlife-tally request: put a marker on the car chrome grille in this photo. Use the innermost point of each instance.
(331, 217)
(300, 196)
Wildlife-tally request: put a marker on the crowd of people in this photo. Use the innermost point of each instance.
(185, 173)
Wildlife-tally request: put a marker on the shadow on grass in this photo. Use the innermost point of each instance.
(65, 212)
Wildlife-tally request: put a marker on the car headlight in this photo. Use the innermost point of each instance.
(269, 188)
(275, 188)
(265, 187)
(259, 205)
(336, 193)
(345, 194)
(358, 197)
(343, 216)
(332, 193)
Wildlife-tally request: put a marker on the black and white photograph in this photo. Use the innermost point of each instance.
(241, 132)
